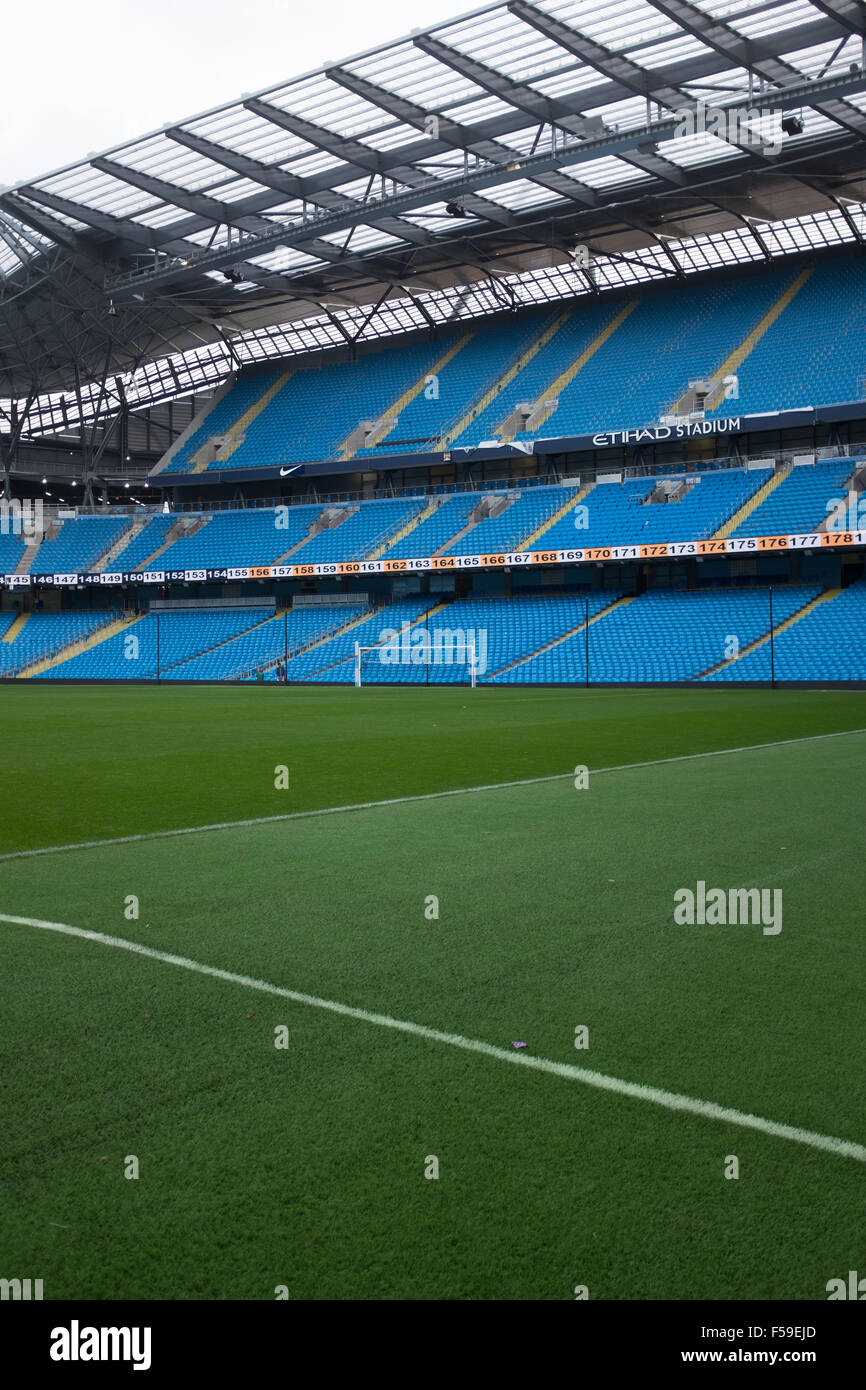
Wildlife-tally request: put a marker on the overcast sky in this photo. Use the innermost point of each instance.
(80, 75)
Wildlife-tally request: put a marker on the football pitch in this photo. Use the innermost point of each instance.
(303, 1079)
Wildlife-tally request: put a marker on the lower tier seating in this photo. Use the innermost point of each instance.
(599, 635)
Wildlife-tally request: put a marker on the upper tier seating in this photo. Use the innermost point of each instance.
(314, 412)
(466, 378)
(813, 353)
(220, 418)
(79, 544)
(673, 336)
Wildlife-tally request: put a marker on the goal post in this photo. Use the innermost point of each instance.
(471, 660)
(359, 652)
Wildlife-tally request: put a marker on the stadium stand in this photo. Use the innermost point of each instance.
(11, 551)
(667, 635)
(264, 646)
(670, 339)
(32, 637)
(333, 659)
(644, 510)
(172, 638)
(813, 353)
(800, 501)
(626, 362)
(78, 544)
(827, 643)
(223, 537)
(507, 529)
(712, 501)
(150, 539)
(662, 635)
(370, 525)
(221, 417)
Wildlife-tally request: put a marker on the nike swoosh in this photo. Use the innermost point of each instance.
(284, 472)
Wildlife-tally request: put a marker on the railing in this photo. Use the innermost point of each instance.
(320, 499)
(822, 453)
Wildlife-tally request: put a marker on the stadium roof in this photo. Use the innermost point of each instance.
(445, 175)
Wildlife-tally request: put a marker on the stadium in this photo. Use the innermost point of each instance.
(433, 672)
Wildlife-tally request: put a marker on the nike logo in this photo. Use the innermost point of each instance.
(284, 472)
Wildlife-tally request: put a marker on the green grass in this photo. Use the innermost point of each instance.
(305, 1167)
(85, 763)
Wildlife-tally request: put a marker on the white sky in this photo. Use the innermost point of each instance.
(80, 75)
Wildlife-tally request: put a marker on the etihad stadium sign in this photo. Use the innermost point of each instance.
(657, 434)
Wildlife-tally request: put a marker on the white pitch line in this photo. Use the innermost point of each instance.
(669, 1100)
(405, 800)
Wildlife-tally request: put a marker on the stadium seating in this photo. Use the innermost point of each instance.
(800, 502)
(78, 545)
(450, 516)
(220, 418)
(45, 633)
(469, 375)
(671, 338)
(365, 528)
(531, 384)
(167, 639)
(827, 644)
(535, 625)
(264, 645)
(505, 532)
(813, 353)
(313, 413)
(149, 539)
(808, 355)
(333, 660)
(262, 535)
(670, 635)
(669, 507)
(624, 514)
(530, 638)
(11, 550)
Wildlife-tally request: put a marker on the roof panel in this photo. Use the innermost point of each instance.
(343, 140)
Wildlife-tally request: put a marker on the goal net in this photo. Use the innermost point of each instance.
(381, 664)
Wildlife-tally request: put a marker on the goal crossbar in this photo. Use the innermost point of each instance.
(471, 660)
